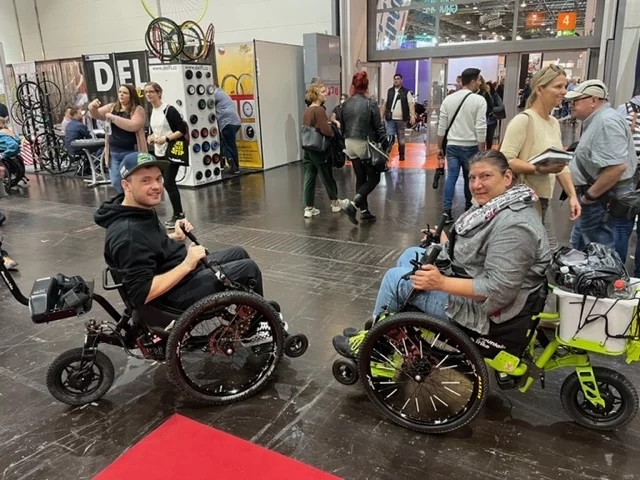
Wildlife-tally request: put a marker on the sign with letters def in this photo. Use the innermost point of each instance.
(104, 73)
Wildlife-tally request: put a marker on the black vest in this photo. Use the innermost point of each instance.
(402, 98)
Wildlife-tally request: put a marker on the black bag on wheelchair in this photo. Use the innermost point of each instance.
(55, 298)
(588, 272)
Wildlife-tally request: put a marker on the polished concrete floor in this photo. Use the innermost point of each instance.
(325, 273)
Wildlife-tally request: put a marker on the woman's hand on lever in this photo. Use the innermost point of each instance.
(428, 278)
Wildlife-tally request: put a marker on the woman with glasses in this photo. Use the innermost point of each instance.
(531, 133)
(167, 126)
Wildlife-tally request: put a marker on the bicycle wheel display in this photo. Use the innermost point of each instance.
(178, 10)
(53, 157)
(51, 91)
(29, 95)
(210, 38)
(422, 373)
(164, 38)
(16, 113)
(195, 42)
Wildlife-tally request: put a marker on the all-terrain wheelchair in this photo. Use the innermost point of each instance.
(432, 376)
(222, 349)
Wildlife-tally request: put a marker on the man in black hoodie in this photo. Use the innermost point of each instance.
(154, 265)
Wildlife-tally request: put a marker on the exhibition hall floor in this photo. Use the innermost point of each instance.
(325, 273)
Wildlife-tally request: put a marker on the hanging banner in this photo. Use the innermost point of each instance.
(104, 73)
(236, 75)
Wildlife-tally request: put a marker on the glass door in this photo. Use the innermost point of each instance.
(438, 70)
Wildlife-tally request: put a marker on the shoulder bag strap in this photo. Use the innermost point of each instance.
(446, 133)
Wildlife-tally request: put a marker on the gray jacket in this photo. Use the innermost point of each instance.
(507, 258)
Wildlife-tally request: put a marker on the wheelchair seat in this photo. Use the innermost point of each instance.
(155, 315)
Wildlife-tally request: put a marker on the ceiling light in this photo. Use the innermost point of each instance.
(448, 13)
(493, 33)
(543, 24)
(468, 22)
(518, 37)
(463, 36)
(484, 28)
(523, 4)
(475, 8)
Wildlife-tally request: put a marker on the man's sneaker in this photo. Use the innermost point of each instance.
(449, 217)
(171, 223)
(366, 215)
(351, 211)
(311, 212)
(337, 207)
(261, 336)
(9, 263)
(343, 347)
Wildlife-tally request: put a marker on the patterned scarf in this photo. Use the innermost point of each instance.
(477, 216)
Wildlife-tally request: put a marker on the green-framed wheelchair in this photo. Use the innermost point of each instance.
(432, 376)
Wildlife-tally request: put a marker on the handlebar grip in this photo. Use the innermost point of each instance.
(432, 256)
(440, 227)
(189, 235)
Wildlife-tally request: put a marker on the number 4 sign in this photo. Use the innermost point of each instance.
(566, 21)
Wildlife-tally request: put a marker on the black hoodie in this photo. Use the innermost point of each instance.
(136, 244)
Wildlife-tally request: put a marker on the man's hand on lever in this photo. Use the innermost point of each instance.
(178, 233)
(195, 253)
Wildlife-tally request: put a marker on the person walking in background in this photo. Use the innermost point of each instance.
(463, 121)
(229, 123)
(124, 128)
(498, 113)
(167, 126)
(360, 119)
(604, 164)
(316, 163)
(532, 132)
(484, 92)
(398, 111)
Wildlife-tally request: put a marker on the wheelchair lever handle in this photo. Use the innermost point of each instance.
(440, 227)
(192, 237)
(425, 260)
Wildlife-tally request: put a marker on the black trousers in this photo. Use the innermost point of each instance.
(367, 179)
(229, 146)
(491, 132)
(237, 266)
(170, 173)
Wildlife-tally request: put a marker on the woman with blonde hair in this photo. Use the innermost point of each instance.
(317, 163)
(124, 124)
(531, 133)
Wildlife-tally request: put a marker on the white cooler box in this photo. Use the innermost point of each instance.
(619, 318)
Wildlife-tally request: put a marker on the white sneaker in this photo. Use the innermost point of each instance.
(262, 335)
(340, 205)
(310, 212)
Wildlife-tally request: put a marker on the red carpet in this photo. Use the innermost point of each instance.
(183, 449)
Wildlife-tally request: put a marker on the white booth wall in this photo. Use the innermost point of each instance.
(71, 28)
(280, 86)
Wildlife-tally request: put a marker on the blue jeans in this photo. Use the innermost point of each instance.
(115, 159)
(457, 157)
(394, 290)
(397, 128)
(594, 226)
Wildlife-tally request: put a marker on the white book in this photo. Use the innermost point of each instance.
(551, 156)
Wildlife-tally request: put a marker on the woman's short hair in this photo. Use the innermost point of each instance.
(313, 92)
(542, 78)
(494, 157)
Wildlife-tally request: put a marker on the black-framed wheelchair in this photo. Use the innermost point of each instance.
(222, 349)
(432, 376)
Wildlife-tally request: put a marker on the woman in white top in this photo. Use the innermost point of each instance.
(531, 133)
(167, 125)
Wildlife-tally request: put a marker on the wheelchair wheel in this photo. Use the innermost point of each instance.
(345, 371)
(225, 347)
(75, 380)
(422, 373)
(296, 345)
(619, 395)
